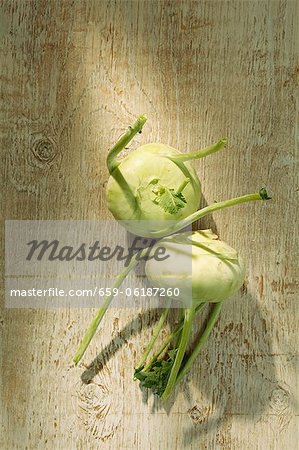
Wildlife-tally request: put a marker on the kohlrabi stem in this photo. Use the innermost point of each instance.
(154, 337)
(188, 320)
(169, 338)
(261, 195)
(182, 157)
(201, 342)
(107, 300)
(163, 347)
(183, 185)
(112, 161)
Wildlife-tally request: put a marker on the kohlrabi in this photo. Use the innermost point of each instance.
(154, 183)
(199, 261)
(205, 270)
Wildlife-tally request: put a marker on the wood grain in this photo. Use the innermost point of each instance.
(74, 74)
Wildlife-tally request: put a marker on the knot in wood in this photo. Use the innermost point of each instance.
(280, 400)
(198, 414)
(44, 150)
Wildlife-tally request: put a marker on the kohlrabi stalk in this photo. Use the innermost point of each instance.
(167, 341)
(154, 337)
(107, 301)
(261, 195)
(198, 154)
(112, 161)
(180, 368)
(184, 340)
(201, 342)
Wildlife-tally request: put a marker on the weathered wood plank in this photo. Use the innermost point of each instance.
(74, 74)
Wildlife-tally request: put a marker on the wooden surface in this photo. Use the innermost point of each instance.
(74, 74)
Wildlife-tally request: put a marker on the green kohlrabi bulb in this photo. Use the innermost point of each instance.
(153, 184)
(199, 265)
(148, 188)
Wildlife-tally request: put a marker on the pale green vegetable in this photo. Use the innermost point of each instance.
(214, 271)
(197, 264)
(153, 184)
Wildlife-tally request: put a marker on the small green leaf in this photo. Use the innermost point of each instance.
(156, 377)
(264, 194)
(168, 199)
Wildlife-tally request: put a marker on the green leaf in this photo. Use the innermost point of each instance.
(168, 199)
(264, 194)
(156, 377)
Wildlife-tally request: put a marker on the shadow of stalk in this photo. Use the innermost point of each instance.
(142, 321)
